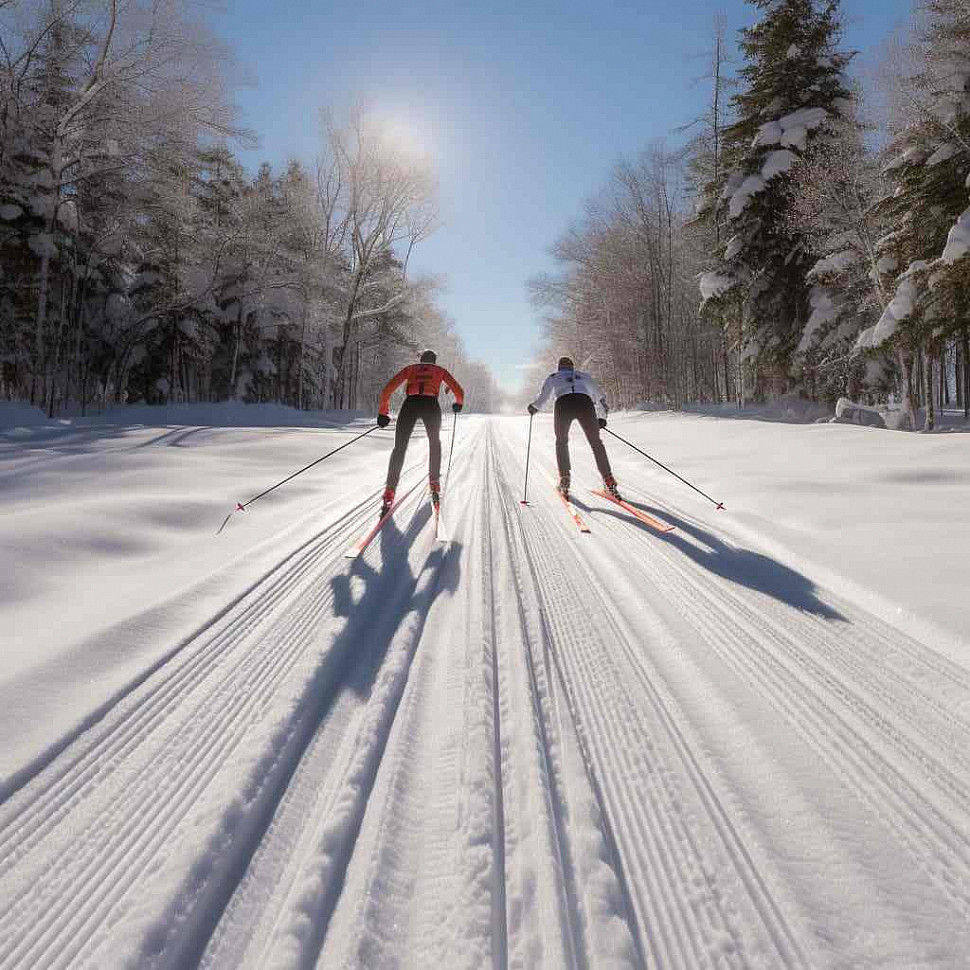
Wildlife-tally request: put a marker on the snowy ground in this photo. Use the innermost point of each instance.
(743, 745)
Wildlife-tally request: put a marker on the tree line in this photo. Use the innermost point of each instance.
(140, 262)
(799, 242)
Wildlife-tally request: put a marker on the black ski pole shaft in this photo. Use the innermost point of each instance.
(528, 452)
(241, 506)
(451, 450)
(720, 505)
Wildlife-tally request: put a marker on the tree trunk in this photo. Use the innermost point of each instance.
(928, 397)
(966, 375)
(302, 356)
(906, 386)
(233, 370)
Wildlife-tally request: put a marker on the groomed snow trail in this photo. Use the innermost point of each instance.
(524, 747)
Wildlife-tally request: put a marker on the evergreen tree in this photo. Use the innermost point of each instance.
(792, 84)
(929, 242)
(835, 195)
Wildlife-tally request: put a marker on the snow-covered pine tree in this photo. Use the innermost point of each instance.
(791, 84)
(929, 166)
(835, 192)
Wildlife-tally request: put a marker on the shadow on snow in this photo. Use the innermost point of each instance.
(743, 567)
(387, 616)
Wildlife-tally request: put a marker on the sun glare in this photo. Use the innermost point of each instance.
(404, 135)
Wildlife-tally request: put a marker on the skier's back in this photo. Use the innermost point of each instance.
(577, 397)
(423, 382)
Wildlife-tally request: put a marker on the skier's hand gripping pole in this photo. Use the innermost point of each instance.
(241, 506)
(718, 505)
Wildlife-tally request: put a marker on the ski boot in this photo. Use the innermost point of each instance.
(563, 487)
(435, 488)
(609, 483)
(387, 501)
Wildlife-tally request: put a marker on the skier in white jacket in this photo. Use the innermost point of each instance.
(577, 398)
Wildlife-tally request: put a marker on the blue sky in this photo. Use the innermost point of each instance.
(525, 106)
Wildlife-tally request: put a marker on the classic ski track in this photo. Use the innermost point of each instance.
(890, 640)
(333, 784)
(313, 793)
(393, 842)
(910, 787)
(663, 863)
(141, 820)
(302, 926)
(151, 701)
(569, 905)
(421, 792)
(133, 722)
(862, 657)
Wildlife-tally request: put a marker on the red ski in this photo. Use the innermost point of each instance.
(571, 509)
(358, 547)
(661, 527)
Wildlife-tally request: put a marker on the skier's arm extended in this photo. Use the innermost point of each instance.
(390, 387)
(458, 390)
(599, 399)
(544, 393)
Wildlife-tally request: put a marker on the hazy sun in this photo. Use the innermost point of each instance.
(405, 135)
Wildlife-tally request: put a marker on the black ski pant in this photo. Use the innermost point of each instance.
(428, 410)
(578, 407)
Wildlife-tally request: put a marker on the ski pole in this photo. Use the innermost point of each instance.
(241, 506)
(528, 451)
(451, 451)
(719, 505)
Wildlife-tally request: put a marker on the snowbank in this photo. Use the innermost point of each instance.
(16, 415)
(228, 414)
(848, 412)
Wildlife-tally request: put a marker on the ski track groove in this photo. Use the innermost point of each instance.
(335, 855)
(194, 757)
(408, 820)
(442, 807)
(567, 893)
(148, 813)
(313, 792)
(657, 846)
(527, 557)
(845, 727)
(182, 674)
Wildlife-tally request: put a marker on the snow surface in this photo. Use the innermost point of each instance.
(713, 284)
(958, 239)
(824, 310)
(900, 308)
(835, 263)
(741, 745)
(944, 153)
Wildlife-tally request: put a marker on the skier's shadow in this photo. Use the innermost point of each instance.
(742, 566)
(387, 615)
(392, 597)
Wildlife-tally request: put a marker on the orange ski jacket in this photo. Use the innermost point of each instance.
(423, 380)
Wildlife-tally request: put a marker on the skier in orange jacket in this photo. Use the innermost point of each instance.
(423, 383)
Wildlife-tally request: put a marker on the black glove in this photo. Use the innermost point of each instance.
(601, 422)
(383, 420)
(456, 407)
(533, 409)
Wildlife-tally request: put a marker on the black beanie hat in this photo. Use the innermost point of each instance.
(428, 357)
(566, 362)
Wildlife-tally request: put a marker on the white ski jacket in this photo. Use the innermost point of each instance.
(571, 382)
